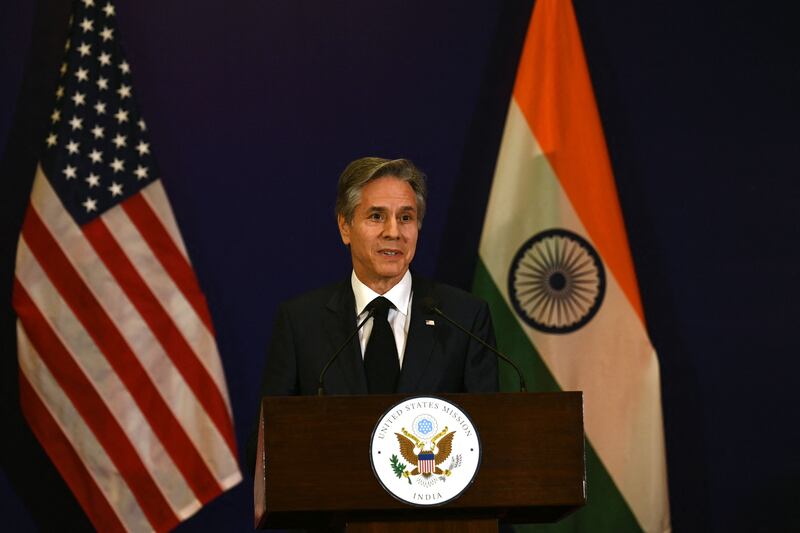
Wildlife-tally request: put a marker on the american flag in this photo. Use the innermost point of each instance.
(426, 462)
(120, 378)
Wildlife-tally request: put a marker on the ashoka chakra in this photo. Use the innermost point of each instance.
(556, 281)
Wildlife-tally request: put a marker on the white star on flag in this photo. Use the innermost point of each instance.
(140, 172)
(79, 98)
(118, 165)
(119, 140)
(87, 25)
(93, 180)
(90, 205)
(116, 189)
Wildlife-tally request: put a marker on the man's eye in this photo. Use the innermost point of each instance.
(406, 218)
(376, 216)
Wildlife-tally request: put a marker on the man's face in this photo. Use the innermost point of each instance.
(383, 233)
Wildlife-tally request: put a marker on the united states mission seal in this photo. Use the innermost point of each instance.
(425, 451)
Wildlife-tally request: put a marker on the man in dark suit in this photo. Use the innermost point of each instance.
(402, 347)
(438, 357)
(380, 207)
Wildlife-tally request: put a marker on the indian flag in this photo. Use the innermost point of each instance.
(556, 269)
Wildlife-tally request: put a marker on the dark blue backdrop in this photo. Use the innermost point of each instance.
(255, 107)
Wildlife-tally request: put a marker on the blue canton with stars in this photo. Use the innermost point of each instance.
(97, 152)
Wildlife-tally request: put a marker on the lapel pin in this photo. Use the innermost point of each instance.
(430, 323)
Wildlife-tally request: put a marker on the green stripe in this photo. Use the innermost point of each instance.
(606, 509)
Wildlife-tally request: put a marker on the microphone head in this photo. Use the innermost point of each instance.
(429, 304)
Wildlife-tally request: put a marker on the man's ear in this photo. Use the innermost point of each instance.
(344, 230)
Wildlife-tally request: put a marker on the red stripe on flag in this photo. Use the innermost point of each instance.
(168, 254)
(162, 326)
(120, 356)
(68, 463)
(91, 407)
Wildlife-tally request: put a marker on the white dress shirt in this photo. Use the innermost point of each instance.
(399, 317)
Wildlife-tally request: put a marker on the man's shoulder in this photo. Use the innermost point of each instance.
(446, 295)
(338, 294)
(319, 297)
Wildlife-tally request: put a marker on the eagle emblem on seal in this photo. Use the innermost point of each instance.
(427, 455)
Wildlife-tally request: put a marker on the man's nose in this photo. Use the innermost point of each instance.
(391, 228)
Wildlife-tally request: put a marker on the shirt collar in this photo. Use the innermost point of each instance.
(399, 295)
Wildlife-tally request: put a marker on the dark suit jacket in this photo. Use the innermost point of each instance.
(438, 358)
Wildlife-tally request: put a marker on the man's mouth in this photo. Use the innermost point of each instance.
(390, 252)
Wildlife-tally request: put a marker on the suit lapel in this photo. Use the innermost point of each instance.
(340, 321)
(420, 342)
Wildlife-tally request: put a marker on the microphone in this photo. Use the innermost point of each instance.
(320, 386)
(429, 305)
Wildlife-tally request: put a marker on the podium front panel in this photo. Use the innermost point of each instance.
(314, 464)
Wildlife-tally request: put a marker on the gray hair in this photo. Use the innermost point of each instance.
(362, 171)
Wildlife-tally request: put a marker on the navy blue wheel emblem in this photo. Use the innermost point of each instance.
(556, 282)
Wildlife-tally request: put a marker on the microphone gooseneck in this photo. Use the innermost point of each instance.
(430, 306)
(320, 386)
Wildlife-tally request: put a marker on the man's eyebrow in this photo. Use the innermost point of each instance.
(380, 208)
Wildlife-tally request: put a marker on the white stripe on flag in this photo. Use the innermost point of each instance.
(156, 197)
(168, 294)
(159, 367)
(106, 382)
(98, 464)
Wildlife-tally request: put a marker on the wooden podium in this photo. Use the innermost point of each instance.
(313, 467)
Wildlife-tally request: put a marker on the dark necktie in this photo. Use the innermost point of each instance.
(381, 363)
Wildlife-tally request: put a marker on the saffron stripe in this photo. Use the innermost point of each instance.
(168, 254)
(92, 409)
(175, 345)
(554, 92)
(63, 456)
